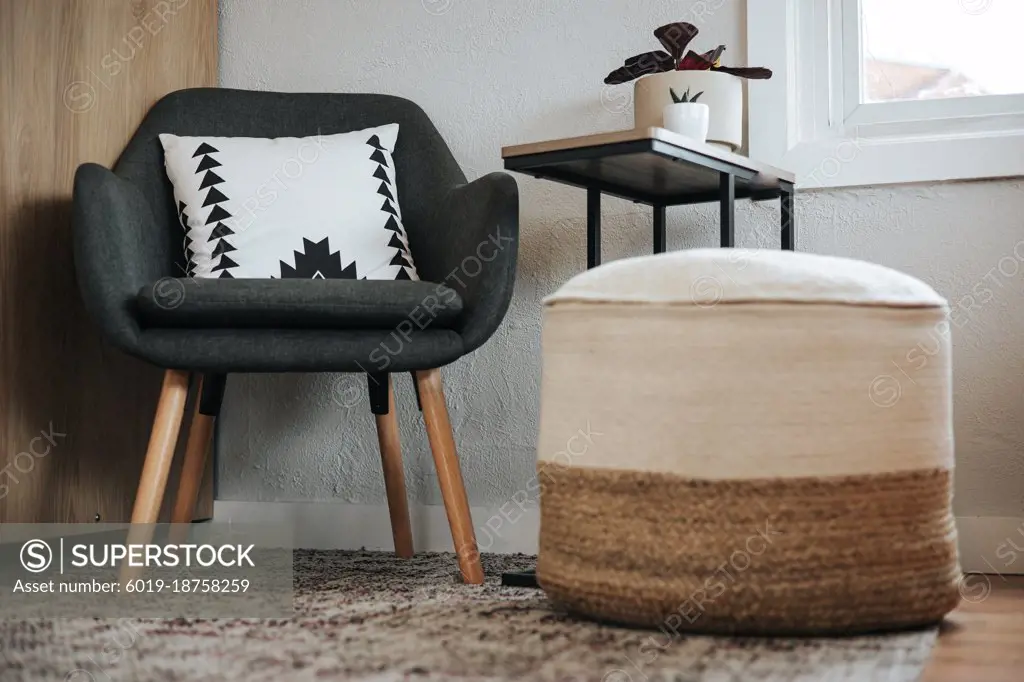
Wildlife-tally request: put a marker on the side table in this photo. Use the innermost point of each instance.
(659, 168)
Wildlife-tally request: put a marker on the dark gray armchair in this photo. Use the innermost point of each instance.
(130, 264)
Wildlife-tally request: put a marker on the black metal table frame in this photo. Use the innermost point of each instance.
(726, 194)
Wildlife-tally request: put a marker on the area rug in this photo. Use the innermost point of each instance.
(370, 617)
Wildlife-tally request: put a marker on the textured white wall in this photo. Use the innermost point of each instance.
(497, 72)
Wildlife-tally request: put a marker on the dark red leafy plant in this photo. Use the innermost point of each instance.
(675, 38)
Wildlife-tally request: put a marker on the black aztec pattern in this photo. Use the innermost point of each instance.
(190, 265)
(214, 197)
(316, 261)
(399, 240)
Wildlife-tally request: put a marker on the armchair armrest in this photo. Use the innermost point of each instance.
(475, 244)
(114, 250)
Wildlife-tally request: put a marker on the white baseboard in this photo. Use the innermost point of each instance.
(332, 525)
(991, 544)
(988, 544)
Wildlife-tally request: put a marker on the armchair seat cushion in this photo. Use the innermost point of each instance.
(297, 304)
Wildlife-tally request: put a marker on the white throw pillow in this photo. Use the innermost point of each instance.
(312, 207)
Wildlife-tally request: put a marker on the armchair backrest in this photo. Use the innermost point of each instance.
(424, 164)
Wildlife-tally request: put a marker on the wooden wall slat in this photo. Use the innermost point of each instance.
(78, 77)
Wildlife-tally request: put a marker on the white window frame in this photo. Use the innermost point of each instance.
(809, 117)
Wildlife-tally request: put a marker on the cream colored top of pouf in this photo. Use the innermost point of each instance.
(733, 363)
(705, 276)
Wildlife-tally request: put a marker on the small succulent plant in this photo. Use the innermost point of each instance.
(675, 38)
(685, 98)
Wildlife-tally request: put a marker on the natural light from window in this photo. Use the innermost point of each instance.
(936, 49)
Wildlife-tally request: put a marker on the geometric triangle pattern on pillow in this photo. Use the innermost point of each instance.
(323, 207)
(399, 240)
(214, 197)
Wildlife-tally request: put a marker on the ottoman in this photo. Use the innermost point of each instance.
(749, 442)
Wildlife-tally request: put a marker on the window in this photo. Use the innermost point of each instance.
(923, 49)
(886, 91)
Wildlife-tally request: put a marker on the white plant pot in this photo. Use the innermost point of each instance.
(723, 94)
(689, 119)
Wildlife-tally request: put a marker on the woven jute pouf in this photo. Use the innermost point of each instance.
(747, 442)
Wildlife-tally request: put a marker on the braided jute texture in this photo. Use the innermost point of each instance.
(781, 556)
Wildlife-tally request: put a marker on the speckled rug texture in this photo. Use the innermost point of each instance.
(371, 617)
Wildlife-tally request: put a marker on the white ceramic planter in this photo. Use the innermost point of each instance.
(723, 94)
(689, 119)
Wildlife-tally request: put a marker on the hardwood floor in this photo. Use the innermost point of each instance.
(983, 639)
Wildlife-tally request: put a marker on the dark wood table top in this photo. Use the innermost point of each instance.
(648, 165)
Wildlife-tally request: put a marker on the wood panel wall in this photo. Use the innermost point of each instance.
(77, 77)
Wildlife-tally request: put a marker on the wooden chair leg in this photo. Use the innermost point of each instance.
(160, 453)
(199, 434)
(170, 409)
(453, 491)
(394, 475)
